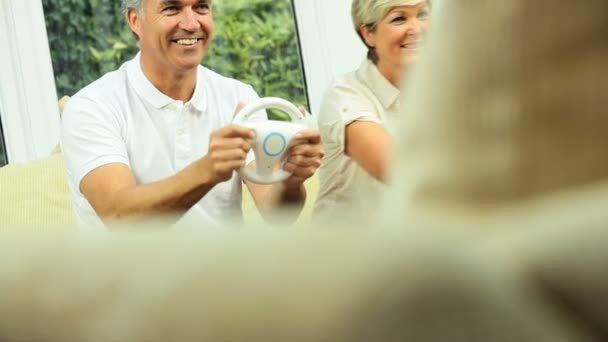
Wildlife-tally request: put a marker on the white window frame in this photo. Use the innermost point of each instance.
(28, 100)
(329, 44)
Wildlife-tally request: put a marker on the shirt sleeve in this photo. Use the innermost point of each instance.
(342, 105)
(91, 136)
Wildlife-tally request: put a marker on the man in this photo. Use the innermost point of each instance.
(154, 137)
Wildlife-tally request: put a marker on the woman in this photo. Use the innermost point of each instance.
(358, 108)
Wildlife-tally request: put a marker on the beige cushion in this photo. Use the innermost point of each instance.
(35, 195)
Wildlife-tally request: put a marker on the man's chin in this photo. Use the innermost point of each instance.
(189, 66)
(188, 63)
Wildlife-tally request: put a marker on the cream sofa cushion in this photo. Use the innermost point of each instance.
(35, 195)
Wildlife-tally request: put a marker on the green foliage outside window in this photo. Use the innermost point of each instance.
(254, 41)
(75, 29)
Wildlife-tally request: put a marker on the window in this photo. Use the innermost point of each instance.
(260, 41)
(87, 39)
(257, 38)
(3, 156)
(329, 43)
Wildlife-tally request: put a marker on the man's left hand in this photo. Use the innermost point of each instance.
(303, 159)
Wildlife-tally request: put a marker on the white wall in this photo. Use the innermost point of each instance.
(27, 87)
(330, 46)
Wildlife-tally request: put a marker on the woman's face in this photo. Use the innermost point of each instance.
(398, 38)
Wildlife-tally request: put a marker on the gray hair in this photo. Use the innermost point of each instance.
(137, 5)
(370, 12)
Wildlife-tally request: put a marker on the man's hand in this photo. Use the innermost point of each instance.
(228, 148)
(303, 159)
(285, 200)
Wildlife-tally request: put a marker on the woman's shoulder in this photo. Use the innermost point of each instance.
(347, 88)
(351, 84)
(346, 82)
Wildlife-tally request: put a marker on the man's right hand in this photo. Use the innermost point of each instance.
(228, 148)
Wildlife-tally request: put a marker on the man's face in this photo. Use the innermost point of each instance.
(174, 34)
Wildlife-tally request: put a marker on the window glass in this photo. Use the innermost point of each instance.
(255, 42)
(87, 39)
(259, 39)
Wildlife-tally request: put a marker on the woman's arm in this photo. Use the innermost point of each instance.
(370, 145)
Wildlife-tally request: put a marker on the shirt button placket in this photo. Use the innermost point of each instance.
(182, 140)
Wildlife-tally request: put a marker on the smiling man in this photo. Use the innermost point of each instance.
(155, 137)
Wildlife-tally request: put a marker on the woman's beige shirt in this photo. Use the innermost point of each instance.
(361, 95)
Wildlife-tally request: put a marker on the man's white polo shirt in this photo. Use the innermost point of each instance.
(123, 118)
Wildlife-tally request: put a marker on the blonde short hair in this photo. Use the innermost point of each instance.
(370, 12)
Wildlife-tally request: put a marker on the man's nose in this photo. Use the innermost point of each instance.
(189, 21)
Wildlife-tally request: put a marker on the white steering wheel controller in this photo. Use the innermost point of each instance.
(273, 139)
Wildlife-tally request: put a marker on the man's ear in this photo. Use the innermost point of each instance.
(368, 36)
(134, 20)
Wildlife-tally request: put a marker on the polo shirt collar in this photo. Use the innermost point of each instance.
(199, 100)
(146, 90)
(384, 90)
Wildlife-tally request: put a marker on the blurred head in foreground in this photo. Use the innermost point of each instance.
(507, 105)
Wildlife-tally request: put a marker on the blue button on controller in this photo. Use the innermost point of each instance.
(274, 144)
